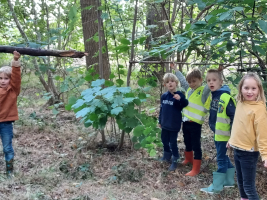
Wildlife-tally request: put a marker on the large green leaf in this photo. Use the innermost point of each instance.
(263, 25)
(125, 41)
(116, 111)
(138, 131)
(141, 82)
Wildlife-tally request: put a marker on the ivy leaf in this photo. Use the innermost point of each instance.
(263, 25)
(98, 82)
(108, 83)
(141, 82)
(116, 110)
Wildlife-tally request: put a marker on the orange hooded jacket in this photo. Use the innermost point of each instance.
(8, 96)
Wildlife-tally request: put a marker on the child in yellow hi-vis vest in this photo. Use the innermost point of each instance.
(222, 111)
(248, 136)
(193, 116)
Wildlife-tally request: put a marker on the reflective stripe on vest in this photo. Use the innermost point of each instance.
(222, 127)
(195, 110)
(193, 115)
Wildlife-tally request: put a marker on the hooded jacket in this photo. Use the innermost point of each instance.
(170, 116)
(8, 96)
(230, 109)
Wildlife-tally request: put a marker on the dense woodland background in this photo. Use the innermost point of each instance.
(88, 126)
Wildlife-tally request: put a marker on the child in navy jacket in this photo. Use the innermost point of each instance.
(170, 118)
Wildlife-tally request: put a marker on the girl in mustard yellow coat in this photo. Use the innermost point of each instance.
(248, 136)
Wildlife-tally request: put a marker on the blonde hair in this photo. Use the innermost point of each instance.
(215, 71)
(194, 73)
(6, 70)
(169, 76)
(261, 96)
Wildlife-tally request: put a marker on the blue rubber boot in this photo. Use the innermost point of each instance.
(174, 164)
(217, 184)
(229, 180)
(166, 157)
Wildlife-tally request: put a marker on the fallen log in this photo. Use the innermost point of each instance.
(42, 52)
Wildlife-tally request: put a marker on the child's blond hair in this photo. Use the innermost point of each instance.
(215, 71)
(169, 76)
(6, 70)
(261, 96)
(194, 73)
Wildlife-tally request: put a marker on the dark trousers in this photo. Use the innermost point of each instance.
(192, 136)
(223, 160)
(169, 140)
(245, 163)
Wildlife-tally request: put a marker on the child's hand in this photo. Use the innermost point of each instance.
(16, 55)
(228, 145)
(220, 68)
(177, 96)
(265, 163)
(173, 66)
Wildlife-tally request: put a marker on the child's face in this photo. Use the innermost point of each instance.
(171, 85)
(214, 81)
(4, 80)
(250, 89)
(194, 83)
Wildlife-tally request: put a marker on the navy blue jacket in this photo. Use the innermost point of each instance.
(230, 109)
(170, 116)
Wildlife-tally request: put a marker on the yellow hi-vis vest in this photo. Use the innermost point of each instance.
(195, 110)
(223, 127)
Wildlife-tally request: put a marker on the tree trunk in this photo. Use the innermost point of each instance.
(90, 29)
(154, 15)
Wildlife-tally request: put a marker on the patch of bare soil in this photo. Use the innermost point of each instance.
(57, 159)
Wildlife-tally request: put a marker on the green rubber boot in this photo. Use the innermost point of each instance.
(229, 180)
(9, 168)
(217, 184)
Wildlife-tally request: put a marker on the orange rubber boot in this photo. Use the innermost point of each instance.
(196, 168)
(188, 157)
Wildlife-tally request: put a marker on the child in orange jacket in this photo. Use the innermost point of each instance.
(10, 82)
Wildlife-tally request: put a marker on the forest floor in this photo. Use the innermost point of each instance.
(56, 158)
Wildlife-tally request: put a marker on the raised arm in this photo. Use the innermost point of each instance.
(15, 80)
(180, 77)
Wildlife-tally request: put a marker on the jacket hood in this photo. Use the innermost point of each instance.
(223, 89)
